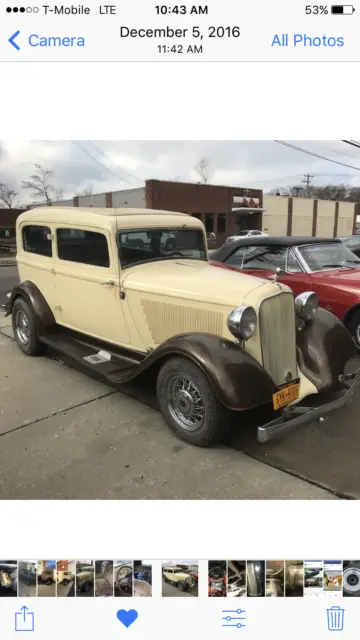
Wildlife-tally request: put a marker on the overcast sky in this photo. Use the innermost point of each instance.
(110, 166)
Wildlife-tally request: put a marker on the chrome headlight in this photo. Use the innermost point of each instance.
(241, 322)
(306, 305)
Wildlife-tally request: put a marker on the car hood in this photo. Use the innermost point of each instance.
(344, 279)
(195, 280)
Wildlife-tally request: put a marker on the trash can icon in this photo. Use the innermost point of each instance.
(335, 618)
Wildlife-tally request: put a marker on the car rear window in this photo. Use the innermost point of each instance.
(37, 239)
(86, 247)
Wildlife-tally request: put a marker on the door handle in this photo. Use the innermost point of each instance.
(108, 283)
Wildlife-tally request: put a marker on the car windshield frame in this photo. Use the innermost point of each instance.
(174, 254)
(353, 261)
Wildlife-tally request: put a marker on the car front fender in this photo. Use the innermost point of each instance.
(238, 380)
(324, 347)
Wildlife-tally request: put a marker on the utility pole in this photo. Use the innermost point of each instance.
(307, 181)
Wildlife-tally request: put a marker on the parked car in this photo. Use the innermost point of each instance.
(85, 579)
(323, 265)
(246, 233)
(46, 577)
(178, 578)
(217, 343)
(65, 577)
(352, 243)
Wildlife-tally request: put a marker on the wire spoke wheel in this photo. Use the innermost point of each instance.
(186, 403)
(22, 327)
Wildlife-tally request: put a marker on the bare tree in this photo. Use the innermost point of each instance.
(88, 191)
(204, 170)
(7, 195)
(59, 195)
(40, 184)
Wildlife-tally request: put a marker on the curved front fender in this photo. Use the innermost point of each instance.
(324, 347)
(238, 380)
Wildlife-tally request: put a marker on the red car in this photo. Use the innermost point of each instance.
(323, 265)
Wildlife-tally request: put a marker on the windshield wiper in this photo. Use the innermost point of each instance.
(341, 266)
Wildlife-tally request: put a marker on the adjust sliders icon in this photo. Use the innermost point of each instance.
(230, 620)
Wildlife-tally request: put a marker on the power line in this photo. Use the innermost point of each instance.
(353, 143)
(98, 161)
(114, 163)
(342, 153)
(316, 155)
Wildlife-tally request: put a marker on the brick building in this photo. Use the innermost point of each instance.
(8, 222)
(221, 209)
(225, 210)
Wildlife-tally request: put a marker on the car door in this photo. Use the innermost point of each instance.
(87, 284)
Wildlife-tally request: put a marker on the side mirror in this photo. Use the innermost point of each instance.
(278, 272)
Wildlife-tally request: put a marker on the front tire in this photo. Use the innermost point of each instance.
(25, 328)
(354, 327)
(189, 405)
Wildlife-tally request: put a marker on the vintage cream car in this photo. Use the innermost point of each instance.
(125, 293)
(177, 577)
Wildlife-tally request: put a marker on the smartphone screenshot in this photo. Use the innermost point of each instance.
(179, 320)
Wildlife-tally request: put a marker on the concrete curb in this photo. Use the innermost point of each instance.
(7, 262)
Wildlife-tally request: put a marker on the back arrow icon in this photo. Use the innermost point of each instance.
(12, 40)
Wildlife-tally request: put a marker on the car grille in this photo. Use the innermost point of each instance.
(278, 337)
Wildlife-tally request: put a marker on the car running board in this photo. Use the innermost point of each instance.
(103, 364)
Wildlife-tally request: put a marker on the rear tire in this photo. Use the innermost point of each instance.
(354, 327)
(25, 328)
(189, 405)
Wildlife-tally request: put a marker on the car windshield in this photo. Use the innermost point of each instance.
(329, 255)
(149, 245)
(241, 233)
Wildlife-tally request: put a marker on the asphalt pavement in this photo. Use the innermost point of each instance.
(66, 591)
(47, 590)
(8, 279)
(26, 590)
(170, 591)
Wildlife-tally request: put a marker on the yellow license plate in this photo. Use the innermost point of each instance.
(286, 395)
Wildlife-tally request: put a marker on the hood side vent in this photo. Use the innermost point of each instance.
(166, 320)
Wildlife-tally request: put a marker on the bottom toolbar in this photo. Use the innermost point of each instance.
(44, 619)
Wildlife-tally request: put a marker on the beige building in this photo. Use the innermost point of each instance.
(284, 216)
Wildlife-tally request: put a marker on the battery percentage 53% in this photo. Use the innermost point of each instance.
(316, 9)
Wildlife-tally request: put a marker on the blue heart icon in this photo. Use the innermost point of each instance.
(127, 617)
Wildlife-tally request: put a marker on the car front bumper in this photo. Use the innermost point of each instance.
(299, 415)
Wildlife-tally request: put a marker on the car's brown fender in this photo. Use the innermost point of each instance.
(32, 294)
(324, 347)
(238, 380)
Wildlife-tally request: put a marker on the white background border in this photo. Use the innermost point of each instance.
(188, 101)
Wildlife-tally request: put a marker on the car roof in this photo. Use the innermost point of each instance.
(99, 211)
(288, 241)
(277, 241)
(112, 217)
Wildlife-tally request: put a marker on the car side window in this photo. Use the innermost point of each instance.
(86, 247)
(37, 239)
(235, 259)
(292, 265)
(265, 257)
